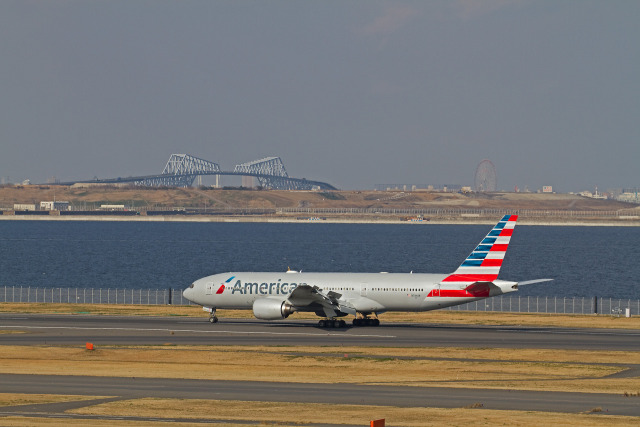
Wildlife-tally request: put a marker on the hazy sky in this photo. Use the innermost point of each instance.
(355, 93)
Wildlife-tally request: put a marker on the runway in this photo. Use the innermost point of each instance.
(76, 329)
(440, 397)
(116, 330)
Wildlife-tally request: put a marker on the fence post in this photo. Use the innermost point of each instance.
(595, 305)
(169, 299)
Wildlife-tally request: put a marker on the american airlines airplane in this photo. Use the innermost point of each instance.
(275, 296)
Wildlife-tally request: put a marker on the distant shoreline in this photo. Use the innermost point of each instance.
(329, 220)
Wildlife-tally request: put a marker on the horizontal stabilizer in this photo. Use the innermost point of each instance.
(531, 282)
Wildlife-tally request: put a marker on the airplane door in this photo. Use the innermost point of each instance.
(363, 289)
(209, 288)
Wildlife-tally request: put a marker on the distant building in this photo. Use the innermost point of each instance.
(248, 181)
(24, 206)
(55, 206)
(417, 187)
(629, 195)
(547, 189)
(595, 195)
(114, 207)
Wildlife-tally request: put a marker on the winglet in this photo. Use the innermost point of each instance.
(483, 264)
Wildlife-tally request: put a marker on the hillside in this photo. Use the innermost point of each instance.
(212, 199)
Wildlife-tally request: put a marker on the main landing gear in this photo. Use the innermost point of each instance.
(363, 319)
(332, 323)
(366, 322)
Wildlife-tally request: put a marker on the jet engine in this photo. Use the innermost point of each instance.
(272, 309)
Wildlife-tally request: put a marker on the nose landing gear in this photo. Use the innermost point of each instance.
(212, 316)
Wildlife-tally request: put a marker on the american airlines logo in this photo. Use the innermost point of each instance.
(254, 288)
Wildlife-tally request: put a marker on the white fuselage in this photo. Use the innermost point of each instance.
(274, 296)
(367, 292)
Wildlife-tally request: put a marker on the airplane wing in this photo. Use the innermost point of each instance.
(330, 302)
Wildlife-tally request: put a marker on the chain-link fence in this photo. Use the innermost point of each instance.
(92, 296)
(554, 305)
(169, 296)
(624, 214)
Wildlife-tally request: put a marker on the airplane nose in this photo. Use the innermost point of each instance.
(188, 293)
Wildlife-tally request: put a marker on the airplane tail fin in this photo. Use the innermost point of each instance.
(483, 264)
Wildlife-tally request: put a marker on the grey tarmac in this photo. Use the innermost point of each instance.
(401, 396)
(131, 330)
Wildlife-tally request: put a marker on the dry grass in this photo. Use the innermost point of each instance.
(555, 370)
(194, 197)
(103, 309)
(430, 317)
(295, 413)
(15, 421)
(14, 399)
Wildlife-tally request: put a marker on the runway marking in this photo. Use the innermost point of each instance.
(576, 332)
(202, 332)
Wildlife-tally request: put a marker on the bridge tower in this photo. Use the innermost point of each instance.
(180, 171)
(278, 178)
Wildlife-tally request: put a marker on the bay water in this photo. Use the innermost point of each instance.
(584, 261)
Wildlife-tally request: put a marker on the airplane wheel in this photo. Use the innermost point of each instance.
(343, 324)
(356, 322)
(376, 322)
(213, 319)
(322, 323)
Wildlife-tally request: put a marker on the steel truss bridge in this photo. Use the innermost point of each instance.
(182, 170)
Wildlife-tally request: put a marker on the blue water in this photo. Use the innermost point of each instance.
(584, 261)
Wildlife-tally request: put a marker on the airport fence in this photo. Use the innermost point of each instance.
(166, 296)
(170, 296)
(553, 305)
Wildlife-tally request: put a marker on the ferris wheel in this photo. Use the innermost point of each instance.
(486, 179)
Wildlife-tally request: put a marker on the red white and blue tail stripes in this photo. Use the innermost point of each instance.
(483, 264)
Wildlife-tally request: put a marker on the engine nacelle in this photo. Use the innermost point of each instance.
(272, 309)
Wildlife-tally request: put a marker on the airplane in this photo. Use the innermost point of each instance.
(275, 296)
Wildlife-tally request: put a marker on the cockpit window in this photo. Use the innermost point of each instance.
(192, 285)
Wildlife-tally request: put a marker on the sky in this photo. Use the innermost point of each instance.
(354, 93)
